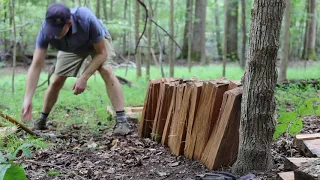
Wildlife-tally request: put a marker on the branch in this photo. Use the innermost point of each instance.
(145, 25)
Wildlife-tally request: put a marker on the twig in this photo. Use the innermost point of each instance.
(145, 25)
(56, 166)
(10, 119)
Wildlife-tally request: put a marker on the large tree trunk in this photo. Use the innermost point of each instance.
(285, 43)
(184, 52)
(171, 56)
(217, 28)
(244, 34)
(190, 15)
(136, 24)
(258, 105)
(98, 9)
(198, 43)
(232, 31)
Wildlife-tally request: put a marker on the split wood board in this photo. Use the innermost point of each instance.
(222, 147)
(286, 175)
(179, 122)
(310, 148)
(308, 136)
(291, 164)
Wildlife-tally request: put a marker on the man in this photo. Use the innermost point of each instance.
(77, 33)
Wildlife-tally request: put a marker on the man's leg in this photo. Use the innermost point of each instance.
(50, 99)
(115, 94)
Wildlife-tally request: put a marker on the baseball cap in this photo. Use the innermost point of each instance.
(56, 17)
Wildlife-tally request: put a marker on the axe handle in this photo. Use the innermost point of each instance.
(8, 118)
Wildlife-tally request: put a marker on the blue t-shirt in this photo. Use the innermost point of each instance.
(86, 30)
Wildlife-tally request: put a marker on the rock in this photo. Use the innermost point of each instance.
(111, 171)
(174, 164)
(308, 171)
(161, 174)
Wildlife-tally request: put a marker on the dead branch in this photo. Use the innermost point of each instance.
(145, 25)
(10, 119)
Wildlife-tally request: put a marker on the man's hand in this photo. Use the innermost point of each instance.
(79, 86)
(26, 110)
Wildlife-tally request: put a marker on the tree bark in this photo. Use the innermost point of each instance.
(138, 54)
(198, 42)
(244, 34)
(98, 9)
(190, 17)
(184, 52)
(217, 28)
(232, 31)
(172, 56)
(257, 124)
(285, 43)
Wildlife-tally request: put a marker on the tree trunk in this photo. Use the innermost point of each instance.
(190, 17)
(149, 42)
(14, 55)
(79, 2)
(225, 39)
(5, 33)
(111, 9)
(198, 43)
(258, 105)
(98, 9)
(52, 1)
(312, 31)
(285, 43)
(217, 28)
(171, 56)
(232, 31)
(244, 34)
(184, 52)
(105, 13)
(138, 54)
(124, 40)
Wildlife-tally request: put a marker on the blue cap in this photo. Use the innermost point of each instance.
(56, 17)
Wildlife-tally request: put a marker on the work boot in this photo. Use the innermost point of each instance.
(40, 124)
(121, 129)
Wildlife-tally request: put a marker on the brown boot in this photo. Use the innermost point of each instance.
(40, 124)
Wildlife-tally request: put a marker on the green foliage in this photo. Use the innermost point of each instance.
(294, 103)
(54, 173)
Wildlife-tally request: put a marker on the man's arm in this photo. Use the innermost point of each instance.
(97, 61)
(32, 81)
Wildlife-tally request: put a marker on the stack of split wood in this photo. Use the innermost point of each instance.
(197, 119)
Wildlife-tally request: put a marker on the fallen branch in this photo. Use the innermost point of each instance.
(10, 119)
(56, 166)
(145, 25)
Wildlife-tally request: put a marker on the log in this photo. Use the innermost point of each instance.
(291, 164)
(308, 171)
(309, 148)
(222, 147)
(286, 175)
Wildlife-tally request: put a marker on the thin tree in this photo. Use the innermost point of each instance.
(171, 56)
(149, 42)
(225, 39)
(244, 34)
(310, 53)
(217, 29)
(124, 40)
(190, 24)
(14, 54)
(198, 41)
(285, 43)
(185, 46)
(111, 9)
(232, 31)
(105, 10)
(138, 53)
(257, 123)
(98, 9)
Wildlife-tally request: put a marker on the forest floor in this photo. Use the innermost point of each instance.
(85, 155)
